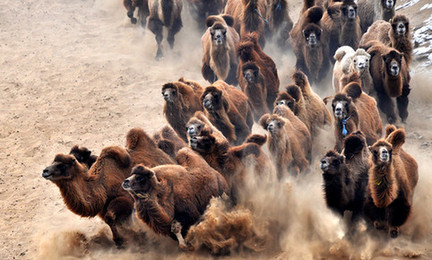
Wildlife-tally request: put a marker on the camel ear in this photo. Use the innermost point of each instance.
(389, 129)
(228, 19)
(210, 20)
(263, 121)
(326, 99)
(397, 139)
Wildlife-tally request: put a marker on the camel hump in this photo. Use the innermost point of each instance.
(246, 149)
(353, 90)
(354, 144)
(137, 136)
(120, 155)
(300, 79)
(314, 14)
(257, 139)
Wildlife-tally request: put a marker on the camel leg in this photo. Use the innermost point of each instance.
(173, 30)
(373, 214)
(398, 213)
(176, 228)
(130, 10)
(143, 13)
(386, 105)
(118, 210)
(402, 103)
(156, 26)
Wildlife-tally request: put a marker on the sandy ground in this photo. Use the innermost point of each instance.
(77, 72)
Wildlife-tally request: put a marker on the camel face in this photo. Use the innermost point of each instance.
(312, 35)
(203, 144)
(349, 11)
(61, 169)
(388, 4)
(275, 126)
(193, 130)
(140, 181)
(250, 75)
(330, 164)
(340, 109)
(218, 35)
(286, 102)
(393, 62)
(400, 29)
(212, 100)
(361, 63)
(169, 94)
(382, 153)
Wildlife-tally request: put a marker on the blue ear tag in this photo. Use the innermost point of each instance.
(344, 130)
(279, 7)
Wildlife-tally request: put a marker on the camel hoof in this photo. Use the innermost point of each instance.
(119, 243)
(133, 20)
(391, 119)
(159, 56)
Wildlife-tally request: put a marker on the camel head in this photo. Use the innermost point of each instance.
(170, 92)
(342, 106)
(361, 61)
(381, 153)
(400, 25)
(64, 167)
(213, 100)
(274, 124)
(141, 182)
(312, 35)
(331, 163)
(393, 61)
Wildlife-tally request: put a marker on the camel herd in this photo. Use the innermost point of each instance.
(168, 179)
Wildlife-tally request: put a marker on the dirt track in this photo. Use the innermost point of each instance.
(76, 72)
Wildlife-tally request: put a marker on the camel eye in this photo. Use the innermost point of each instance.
(224, 33)
(355, 61)
(139, 178)
(199, 127)
(279, 124)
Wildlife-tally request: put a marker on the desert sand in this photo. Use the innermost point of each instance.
(77, 72)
